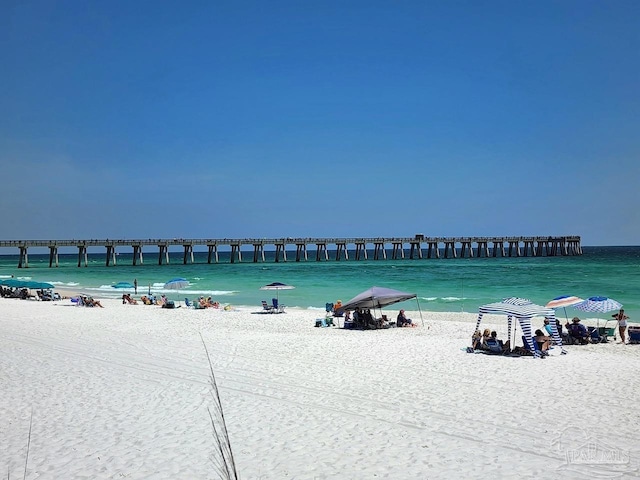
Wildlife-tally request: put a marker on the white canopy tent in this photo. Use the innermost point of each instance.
(523, 310)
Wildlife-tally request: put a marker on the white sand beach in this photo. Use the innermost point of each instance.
(123, 391)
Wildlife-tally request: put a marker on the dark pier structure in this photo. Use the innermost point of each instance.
(417, 247)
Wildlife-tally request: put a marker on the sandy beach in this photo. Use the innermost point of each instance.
(123, 392)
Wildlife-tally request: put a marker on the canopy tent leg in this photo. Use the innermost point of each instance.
(420, 311)
(525, 324)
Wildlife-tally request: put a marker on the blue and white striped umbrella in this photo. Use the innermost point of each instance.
(598, 304)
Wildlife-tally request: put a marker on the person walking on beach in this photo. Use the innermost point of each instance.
(622, 323)
(135, 285)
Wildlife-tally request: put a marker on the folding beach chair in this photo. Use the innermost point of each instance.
(268, 308)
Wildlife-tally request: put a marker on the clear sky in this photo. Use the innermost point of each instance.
(226, 119)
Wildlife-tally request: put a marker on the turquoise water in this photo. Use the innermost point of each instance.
(441, 284)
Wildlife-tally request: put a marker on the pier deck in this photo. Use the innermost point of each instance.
(417, 247)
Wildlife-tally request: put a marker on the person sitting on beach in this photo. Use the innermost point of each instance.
(476, 340)
(542, 340)
(369, 321)
(494, 337)
(126, 298)
(486, 335)
(144, 299)
(337, 309)
(403, 321)
(357, 320)
(91, 302)
(211, 304)
(549, 330)
(578, 331)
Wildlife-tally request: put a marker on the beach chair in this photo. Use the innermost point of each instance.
(594, 335)
(188, 303)
(277, 308)
(268, 308)
(634, 335)
(494, 346)
(607, 332)
(531, 347)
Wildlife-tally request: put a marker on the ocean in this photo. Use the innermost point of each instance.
(460, 284)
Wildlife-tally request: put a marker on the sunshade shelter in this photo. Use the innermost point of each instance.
(277, 286)
(378, 297)
(523, 310)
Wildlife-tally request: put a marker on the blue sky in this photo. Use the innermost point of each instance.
(275, 119)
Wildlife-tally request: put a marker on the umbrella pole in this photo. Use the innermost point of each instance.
(420, 311)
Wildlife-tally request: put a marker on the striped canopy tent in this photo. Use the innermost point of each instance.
(523, 310)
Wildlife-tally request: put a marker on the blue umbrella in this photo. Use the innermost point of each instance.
(176, 284)
(598, 304)
(16, 283)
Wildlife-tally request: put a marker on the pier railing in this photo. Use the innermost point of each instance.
(356, 248)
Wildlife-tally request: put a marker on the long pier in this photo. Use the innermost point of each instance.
(417, 247)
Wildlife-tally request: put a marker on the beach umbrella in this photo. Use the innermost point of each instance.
(563, 302)
(13, 283)
(176, 283)
(277, 286)
(598, 304)
(30, 284)
(125, 285)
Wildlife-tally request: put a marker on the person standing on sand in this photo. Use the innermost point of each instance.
(622, 323)
(135, 285)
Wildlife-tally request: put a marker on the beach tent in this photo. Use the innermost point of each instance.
(378, 297)
(523, 310)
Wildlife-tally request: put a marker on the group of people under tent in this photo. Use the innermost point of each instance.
(576, 333)
(363, 318)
